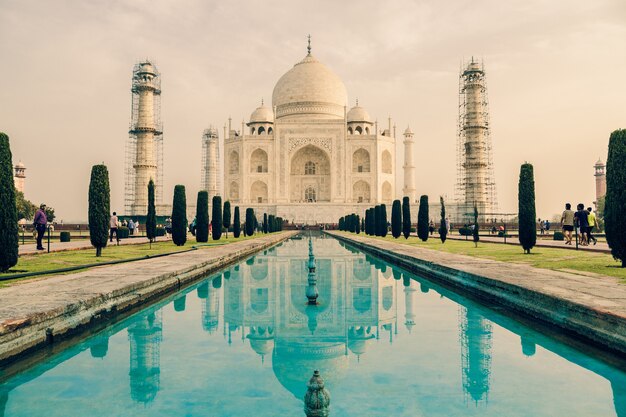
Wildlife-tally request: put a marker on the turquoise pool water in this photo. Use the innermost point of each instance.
(243, 342)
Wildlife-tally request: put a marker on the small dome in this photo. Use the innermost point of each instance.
(408, 131)
(262, 114)
(310, 87)
(146, 68)
(20, 165)
(358, 114)
(599, 163)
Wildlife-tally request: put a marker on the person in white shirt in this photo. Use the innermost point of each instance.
(113, 224)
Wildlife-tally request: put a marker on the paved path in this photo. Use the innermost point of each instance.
(591, 305)
(602, 247)
(56, 246)
(35, 311)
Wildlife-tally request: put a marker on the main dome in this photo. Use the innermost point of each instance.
(310, 88)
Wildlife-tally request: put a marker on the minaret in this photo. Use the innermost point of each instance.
(600, 174)
(409, 168)
(143, 159)
(210, 156)
(476, 184)
(19, 177)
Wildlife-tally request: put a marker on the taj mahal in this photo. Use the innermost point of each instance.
(308, 158)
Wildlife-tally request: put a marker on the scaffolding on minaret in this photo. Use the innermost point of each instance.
(475, 178)
(135, 129)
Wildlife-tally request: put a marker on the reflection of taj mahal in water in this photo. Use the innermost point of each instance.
(265, 298)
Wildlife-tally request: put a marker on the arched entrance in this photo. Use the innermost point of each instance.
(309, 179)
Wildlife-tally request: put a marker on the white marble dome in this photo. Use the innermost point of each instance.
(309, 88)
(262, 114)
(358, 114)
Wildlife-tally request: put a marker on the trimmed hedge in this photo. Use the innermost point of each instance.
(64, 237)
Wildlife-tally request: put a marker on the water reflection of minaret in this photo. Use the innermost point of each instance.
(100, 346)
(145, 336)
(211, 305)
(409, 309)
(476, 339)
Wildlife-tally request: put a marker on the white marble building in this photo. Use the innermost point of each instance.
(308, 158)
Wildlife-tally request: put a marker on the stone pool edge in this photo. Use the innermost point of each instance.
(24, 334)
(600, 326)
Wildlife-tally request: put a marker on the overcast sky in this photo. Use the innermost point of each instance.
(556, 75)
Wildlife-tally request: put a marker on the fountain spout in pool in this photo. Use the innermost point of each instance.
(311, 289)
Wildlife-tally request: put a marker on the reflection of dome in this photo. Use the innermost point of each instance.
(261, 340)
(262, 114)
(310, 87)
(293, 362)
(358, 338)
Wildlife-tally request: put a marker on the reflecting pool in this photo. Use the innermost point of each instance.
(244, 342)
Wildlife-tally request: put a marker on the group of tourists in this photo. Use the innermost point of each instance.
(584, 220)
(114, 224)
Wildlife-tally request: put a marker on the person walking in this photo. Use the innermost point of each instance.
(542, 226)
(567, 223)
(113, 224)
(548, 227)
(582, 224)
(431, 227)
(137, 227)
(591, 220)
(131, 227)
(39, 222)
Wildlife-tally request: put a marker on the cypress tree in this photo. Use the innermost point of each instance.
(202, 217)
(615, 200)
(250, 220)
(99, 207)
(216, 221)
(179, 216)
(422, 219)
(265, 225)
(475, 234)
(340, 225)
(378, 228)
(383, 220)
(151, 217)
(367, 222)
(526, 207)
(226, 215)
(372, 221)
(236, 223)
(443, 229)
(396, 219)
(9, 232)
(357, 224)
(406, 217)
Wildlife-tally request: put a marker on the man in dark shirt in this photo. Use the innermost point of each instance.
(582, 223)
(40, 221)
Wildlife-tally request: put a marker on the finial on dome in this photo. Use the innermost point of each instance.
(357, 101)
(261, 101)
(308, 48)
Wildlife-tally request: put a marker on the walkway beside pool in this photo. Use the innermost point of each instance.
(77, 244)
(602, 247)
(591, 306)
(39, 311)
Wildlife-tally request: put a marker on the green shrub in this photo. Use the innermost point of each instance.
(396, 219)
(202, 217)
(465, 231)
(615, 200)
(9, 232)
(179, 216)
(526, 208)
(558, 236)
(216, 221)
(123, 232)
(99, 207)
(151, 217)
(64, 237)
(422, 219)
(236, 223)
(250, 222)
(443, 228)
(226, 217)
(160, 231)
(406, 217)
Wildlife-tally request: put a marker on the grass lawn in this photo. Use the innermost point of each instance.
(57, 260)
(540, 257)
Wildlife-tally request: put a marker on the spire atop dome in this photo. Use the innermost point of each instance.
(308, 48)
(262, 103)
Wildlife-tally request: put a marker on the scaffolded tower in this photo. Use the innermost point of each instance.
(475, 180)
(210, 158)
(144, 147)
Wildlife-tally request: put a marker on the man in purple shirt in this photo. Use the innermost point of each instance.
(40, 221)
